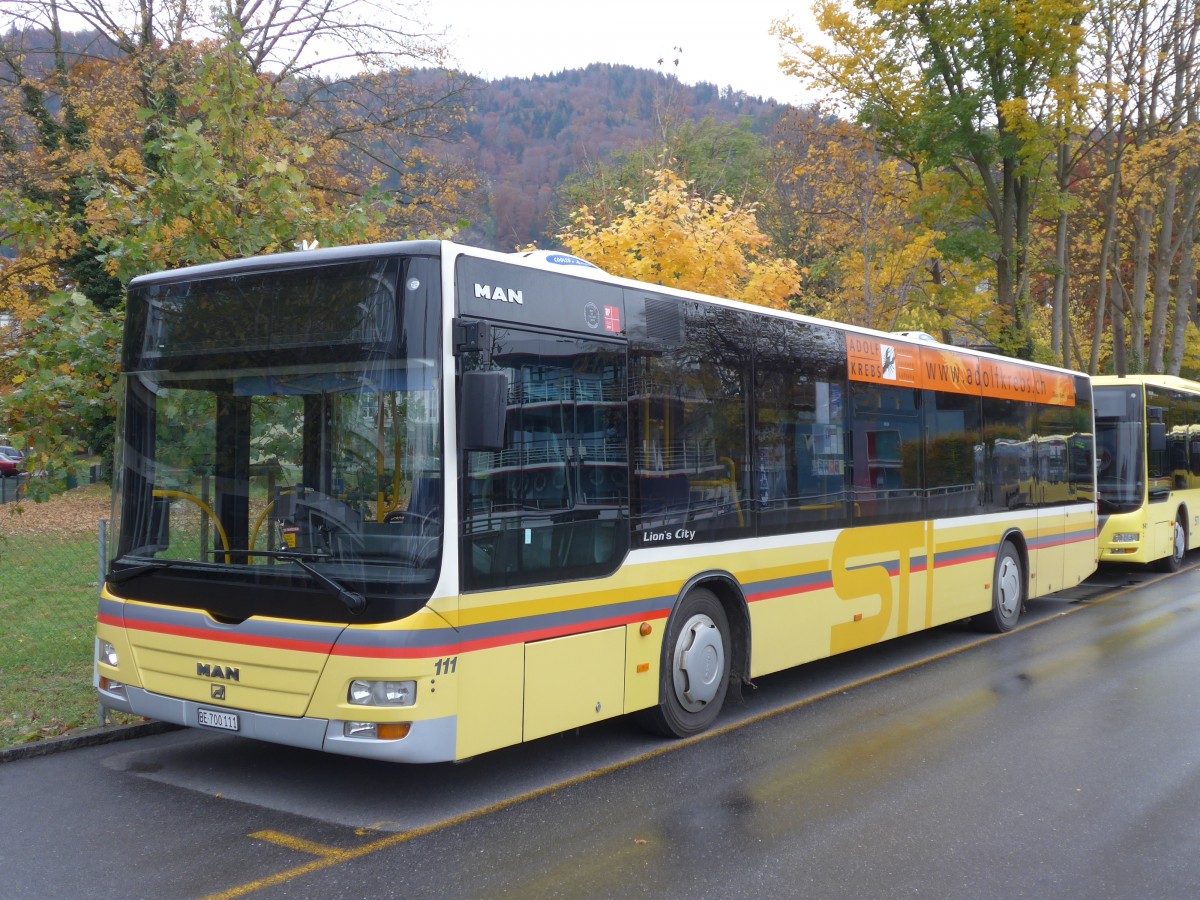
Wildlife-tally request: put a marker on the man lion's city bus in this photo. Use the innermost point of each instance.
(1148, 459)
(415, 501)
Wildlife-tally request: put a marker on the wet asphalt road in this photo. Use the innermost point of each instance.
(1062, 760)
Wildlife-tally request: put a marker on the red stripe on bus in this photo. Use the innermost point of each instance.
(1043, 543)
(974, 557)
(220, 637)
(520, 637)
(789, 591)
(487, 643)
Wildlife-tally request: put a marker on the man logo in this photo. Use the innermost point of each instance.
(216, 670)
(218, 692)
(487, 292)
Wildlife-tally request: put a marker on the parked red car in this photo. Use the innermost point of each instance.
(10, 461)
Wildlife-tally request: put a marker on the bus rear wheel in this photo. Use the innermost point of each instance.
(1173, 562)
(694, 674)
(1008, 593)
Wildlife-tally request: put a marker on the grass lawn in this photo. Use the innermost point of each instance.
(48, 598)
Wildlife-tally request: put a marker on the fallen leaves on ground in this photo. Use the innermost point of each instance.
(75, 512)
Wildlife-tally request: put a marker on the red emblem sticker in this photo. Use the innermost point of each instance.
(612, 319)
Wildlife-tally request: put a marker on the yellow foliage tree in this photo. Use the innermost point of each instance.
(874, 235)
(680, 240)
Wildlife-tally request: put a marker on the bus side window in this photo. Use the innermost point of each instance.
(800, 427)
(550, 503)
(953, 476)
(687, 412)
(1008, 453)
(886, 454)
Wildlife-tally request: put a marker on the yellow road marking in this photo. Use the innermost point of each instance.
(295, 843)
(330, 856)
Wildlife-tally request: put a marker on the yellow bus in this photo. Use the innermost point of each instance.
(416, 501)
(1148, 460)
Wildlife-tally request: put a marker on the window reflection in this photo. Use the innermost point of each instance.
(800, 422)
(688, 412)
(552, 504)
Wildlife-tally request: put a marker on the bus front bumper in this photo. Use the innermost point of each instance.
(1123, 538)
(430, 740)
(1126, 551)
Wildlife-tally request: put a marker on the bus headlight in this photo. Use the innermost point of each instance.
(108, 654)
(382, 693)
(1125, 537)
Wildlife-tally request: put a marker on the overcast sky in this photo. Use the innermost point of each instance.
(726, 44)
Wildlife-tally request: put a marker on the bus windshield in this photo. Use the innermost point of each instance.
(292, 452)
(1120, 448)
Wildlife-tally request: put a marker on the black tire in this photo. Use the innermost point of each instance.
(1174, 561)
(1009, 592)
(694, 671)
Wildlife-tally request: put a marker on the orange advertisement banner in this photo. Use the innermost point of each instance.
(1013, 381)
(944, 370)
(879, 361)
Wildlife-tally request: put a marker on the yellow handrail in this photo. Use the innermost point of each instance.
(159, 492)
(257, 525)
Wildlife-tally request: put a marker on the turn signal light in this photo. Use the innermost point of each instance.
(382, 731)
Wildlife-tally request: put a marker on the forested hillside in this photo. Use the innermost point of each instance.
(524, 136)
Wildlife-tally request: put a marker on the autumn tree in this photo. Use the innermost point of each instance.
(231, 182)
(957, 84)
(872, 237)
(679, 239)
(236, 180)
(63, 381)
(168, 135)
(1155, 50)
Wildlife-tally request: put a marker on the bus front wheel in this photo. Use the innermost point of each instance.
(1008, 593)
(694, 674)
(1173, 562)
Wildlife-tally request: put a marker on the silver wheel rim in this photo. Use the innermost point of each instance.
(1008, 586)
(1179, 540)
(699, 663)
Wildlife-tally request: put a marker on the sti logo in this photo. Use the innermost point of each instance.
(487, 292)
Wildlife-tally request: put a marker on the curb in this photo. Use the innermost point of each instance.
(93, 738)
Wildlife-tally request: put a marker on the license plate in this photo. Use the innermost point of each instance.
(214, 719)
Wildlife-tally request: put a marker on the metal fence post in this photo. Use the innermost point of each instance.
(103, 555)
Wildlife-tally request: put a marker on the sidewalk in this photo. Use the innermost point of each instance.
(89, 737)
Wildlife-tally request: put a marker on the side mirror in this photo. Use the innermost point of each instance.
(483, 410)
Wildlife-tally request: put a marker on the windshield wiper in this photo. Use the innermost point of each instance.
(114, 577)
(353, 601)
